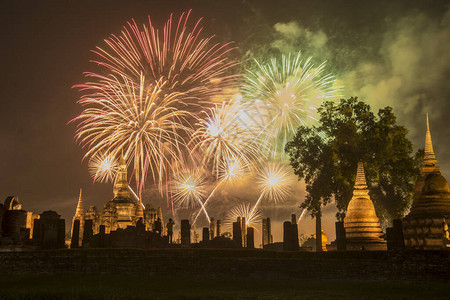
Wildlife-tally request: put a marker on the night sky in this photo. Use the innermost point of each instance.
(388, 53)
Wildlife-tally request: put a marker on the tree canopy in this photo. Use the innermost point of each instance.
(326, 157)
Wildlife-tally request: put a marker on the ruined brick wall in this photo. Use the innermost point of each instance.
(233, 262)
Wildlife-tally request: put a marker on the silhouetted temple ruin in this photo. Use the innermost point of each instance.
(118, 214)
(426, 225)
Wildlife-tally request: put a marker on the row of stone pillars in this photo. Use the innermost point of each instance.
(214, 230)
(243, 235)
(88, 234)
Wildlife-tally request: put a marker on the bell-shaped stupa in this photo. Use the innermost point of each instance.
(426, 225)
(362, 227)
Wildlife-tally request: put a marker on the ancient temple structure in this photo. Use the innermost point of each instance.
(79, 215)
(119, 213)
(14, 219)
(362, 227)
(426, 225)
(125, 208)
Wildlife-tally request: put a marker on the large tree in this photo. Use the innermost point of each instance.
(326, 157)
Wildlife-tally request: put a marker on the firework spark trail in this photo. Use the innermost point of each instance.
(290, 91)
(135, 195)
(206, 201)
(257, 203)
(301, 215)
(148, 91)
(229, 172)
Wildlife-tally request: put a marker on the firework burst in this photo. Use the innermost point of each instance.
(222, 138)
(103, 167)
(275, 181)
(188, 188)
(252, 217)
(288, 93)
(232, 169)
(146, 96)
(139, 120)
(178, 53)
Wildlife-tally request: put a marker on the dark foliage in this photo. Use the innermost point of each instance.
(326, 157)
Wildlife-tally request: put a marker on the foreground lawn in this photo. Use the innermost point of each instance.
(101, 286)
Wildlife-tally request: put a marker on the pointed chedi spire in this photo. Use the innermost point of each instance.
(360, 188)
(423, 226)
(121, 183)
(429, 158)
(360, 182)
(80, 210)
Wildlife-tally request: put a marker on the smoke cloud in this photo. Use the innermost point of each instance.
(402, 61)
(290, 36)
(405, 66)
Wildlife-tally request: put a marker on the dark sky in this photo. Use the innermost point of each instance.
(394, 53)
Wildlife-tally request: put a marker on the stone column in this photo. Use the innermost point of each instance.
(269, 231)
(101, 236)
(212, 229)
(205, 234)
(50, 228)
(2, 213)
(237, 234)
(87, 233)
(185, 232)
(219, 228)
(399, 240)
(13, 221)
(296, 243)
(61, 235)
(250, 238)
(290, 236)
(36, 232)
(318, 233)
(340, 236)
(75, 234)
(244, 232)
(265, 238)
(390, 238)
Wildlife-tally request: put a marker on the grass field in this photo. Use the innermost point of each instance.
(101, 286)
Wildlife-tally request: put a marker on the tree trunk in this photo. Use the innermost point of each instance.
(318, 232)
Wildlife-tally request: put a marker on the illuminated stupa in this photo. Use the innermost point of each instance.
(119, 213)
(426, 225)
(79, 215)
(362, 227)
(124, 205)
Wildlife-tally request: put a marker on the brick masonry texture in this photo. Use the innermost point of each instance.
(215, 263)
